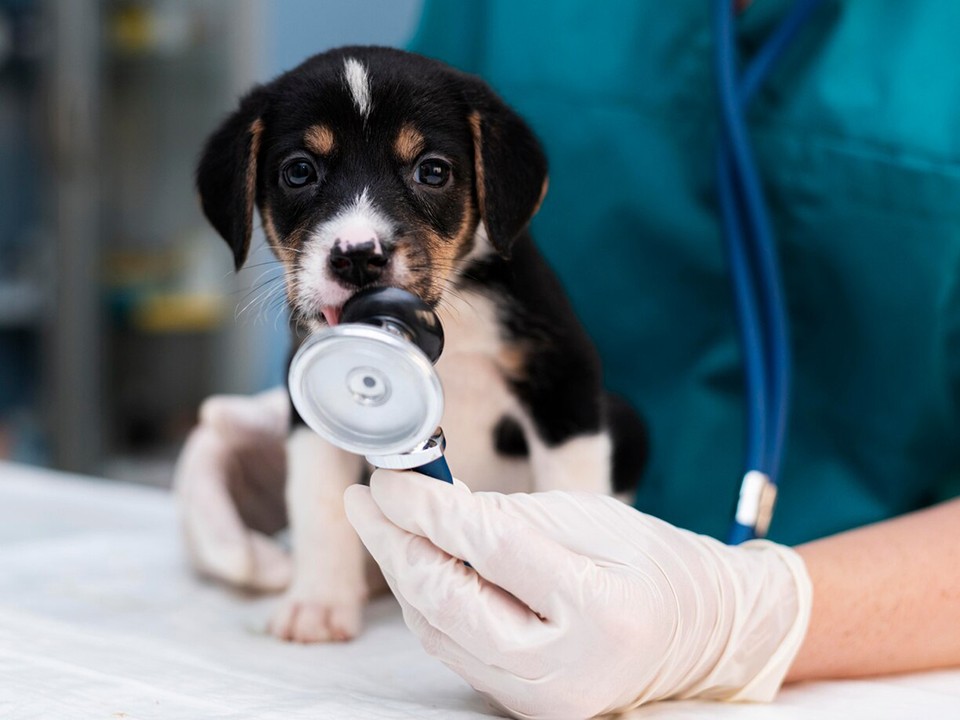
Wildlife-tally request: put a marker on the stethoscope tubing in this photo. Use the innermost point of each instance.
(751, 249)
(437, 469)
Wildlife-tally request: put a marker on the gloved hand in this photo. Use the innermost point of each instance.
(229, 485)
(577, 604)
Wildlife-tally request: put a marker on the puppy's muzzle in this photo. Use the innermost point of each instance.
(360, 264)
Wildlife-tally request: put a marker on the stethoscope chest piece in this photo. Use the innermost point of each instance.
(368, 385)
(365, 389)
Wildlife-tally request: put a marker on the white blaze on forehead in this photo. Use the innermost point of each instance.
(355, 75)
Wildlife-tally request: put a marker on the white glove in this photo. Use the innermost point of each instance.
(580, 605)
(229, 484)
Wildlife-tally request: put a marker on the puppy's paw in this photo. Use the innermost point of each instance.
(307, 620)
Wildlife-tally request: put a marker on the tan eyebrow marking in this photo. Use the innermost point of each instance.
(409, 143)
(319, 139)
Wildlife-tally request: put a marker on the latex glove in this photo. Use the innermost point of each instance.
(229, 485)
(580, 605)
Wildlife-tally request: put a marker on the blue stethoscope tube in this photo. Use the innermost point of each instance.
(437, 469)
(754, 266)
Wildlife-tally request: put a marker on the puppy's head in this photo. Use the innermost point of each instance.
(371, 166)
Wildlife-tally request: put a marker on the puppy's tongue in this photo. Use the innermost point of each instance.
(331, 315)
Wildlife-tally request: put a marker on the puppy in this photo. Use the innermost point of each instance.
(374, 167)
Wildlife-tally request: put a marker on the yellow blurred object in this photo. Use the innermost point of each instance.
(178, 312)
(132, 31)
(142, 27)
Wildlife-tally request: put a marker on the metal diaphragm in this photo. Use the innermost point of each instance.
(366, 390)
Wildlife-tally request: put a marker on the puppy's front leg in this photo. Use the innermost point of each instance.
(325, 601)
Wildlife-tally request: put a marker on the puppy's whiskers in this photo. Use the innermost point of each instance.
(276, 293)
(267, 290)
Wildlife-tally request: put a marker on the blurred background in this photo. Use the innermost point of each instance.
(119, 309)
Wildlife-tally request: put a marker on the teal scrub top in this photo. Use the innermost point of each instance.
(857, 133)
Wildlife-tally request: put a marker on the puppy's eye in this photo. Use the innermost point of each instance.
(432, 172)
(298, 173)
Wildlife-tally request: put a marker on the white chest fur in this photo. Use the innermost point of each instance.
(476, 396)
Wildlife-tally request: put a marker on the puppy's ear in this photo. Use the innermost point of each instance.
(227, 174)
(509, 166)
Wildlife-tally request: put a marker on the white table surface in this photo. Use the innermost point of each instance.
(101, 618)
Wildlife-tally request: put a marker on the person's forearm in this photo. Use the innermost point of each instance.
(886, 598)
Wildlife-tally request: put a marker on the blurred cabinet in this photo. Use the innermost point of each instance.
(170, 71)
(23, 254)
(115, 297)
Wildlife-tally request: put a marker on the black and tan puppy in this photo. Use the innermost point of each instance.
(371, 166)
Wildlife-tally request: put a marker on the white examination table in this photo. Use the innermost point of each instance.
(101, 618)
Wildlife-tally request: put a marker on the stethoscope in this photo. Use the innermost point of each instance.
(754, 268)
(368, 385)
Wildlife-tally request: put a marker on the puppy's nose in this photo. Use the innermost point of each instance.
(359, 264)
